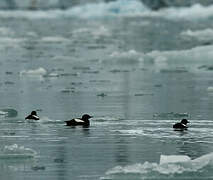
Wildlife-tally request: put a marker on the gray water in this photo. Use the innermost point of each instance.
(135, 70)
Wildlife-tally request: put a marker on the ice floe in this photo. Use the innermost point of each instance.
(34, 72)
(202, 35)
(16, 151)
(169, 165)
(8, 112)
(50, 39)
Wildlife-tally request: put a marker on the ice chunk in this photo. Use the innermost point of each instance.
(34, 72)
(2, 113)
(210, 89)
(203, 161)
(204, 34)
(173, 159)
(54, 39)
(8, 112)
(15, 151)
(169, 165)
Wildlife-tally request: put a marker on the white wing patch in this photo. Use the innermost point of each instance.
(36, 117)
(78, 120)
(184, 125)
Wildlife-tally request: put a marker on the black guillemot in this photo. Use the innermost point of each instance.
(181, 125)
(84, 121)
(33, 116)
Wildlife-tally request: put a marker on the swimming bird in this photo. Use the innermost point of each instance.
(33, 116)
(84, 121)
(181, 125)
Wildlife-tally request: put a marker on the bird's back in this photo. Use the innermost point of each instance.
(32, 117)
(75, 122)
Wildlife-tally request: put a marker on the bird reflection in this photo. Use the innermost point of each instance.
(122, 152)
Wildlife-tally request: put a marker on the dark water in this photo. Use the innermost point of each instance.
(135, 70)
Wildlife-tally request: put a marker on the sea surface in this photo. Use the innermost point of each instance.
(137, 71)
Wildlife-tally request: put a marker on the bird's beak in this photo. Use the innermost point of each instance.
(91, 116)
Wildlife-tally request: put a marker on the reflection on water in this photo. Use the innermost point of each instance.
(122, 152)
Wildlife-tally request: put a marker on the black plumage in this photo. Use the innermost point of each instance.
(83, 121)
(33, 116)
(181, 125)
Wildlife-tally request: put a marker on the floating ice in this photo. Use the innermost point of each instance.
(8, 112)
(128, 57)
(159, 58)
(54, 39)
(31, 14)
(34, 72)
(2, 113)
(203, 35)
(210, 89)
(27, 4)
(204, 53)
(7, 42)
(101, 31)
(168, 165)
(173, 159)
(93, 10)
(15, 151)
(52, 75)
(114, 8)
(194, 12)
(129, 54)
(81, 30)
(120, 7)
(94, 31)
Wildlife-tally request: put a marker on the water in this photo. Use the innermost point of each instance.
(137, 71)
